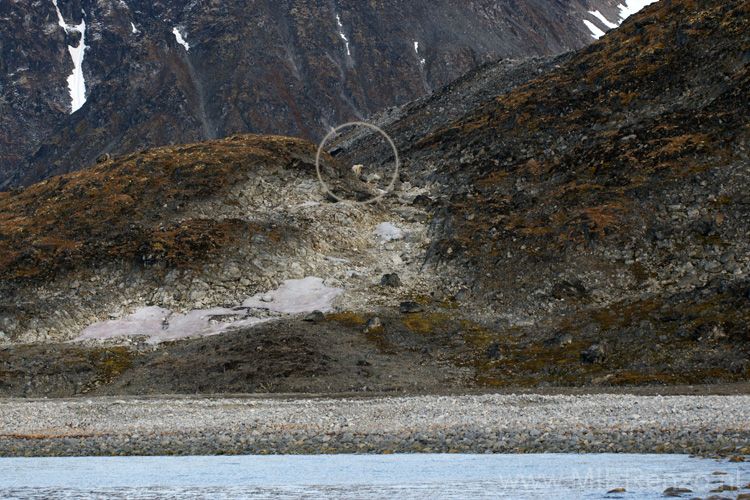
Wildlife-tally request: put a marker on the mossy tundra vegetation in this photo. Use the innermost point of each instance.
(578, 221)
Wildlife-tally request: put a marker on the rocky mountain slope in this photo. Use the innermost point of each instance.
(567, 221)
(161, 73)
(606, 200)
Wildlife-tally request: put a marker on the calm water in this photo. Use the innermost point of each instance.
(545, 476)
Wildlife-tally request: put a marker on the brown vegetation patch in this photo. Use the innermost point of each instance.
(124, 209)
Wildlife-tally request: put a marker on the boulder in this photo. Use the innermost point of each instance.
(495, 351)
(315, 317)
(373, 323)
(597, 353)
(572, 289)
(558, 340)
(391, 280)
(410, 307)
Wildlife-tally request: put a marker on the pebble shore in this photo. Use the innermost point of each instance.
(703, 425)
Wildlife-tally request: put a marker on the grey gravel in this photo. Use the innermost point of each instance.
(705, 425)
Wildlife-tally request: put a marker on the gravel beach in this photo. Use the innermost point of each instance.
(706, 425)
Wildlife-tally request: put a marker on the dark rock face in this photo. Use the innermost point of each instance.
(294, 67)
(34, 64)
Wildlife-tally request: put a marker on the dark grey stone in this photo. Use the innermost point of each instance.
(410, 307)
(597, 353)
(315, 317)
(391, 279)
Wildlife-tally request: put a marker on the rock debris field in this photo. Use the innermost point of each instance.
(701, 425)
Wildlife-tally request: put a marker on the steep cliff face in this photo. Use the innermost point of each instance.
(159, 73)
(33, 91)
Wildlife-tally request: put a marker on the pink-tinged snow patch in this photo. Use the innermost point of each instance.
(197, 322)
(296, 296)
(144, 321)
(161, 325)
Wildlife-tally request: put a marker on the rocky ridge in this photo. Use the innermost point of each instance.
(603, 201)
(294, 67)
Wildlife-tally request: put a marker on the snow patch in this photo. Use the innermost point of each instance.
(296, 296)
(180, 39)
(342, 35)
(416, 50)
(603, 19)
(161, 325)
(144, 321)
(595, 32)
(627, 9)
(630, 7)
(134, 28)
(388, 232)
(76, 81)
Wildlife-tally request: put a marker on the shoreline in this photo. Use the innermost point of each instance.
(485, 423)
(718, 389)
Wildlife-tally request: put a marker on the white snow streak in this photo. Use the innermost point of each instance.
(595, 32)
(627, 9)
(416, 50)
(630, 7)
(603, 19)
(180, 39)
(76, 81)
(134, 28)
(342, 35)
